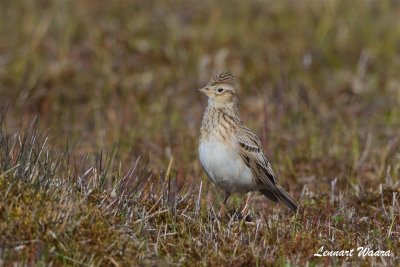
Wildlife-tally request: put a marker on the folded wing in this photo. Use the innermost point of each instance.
(252, 154)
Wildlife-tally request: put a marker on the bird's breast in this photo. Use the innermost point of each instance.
(219, 156)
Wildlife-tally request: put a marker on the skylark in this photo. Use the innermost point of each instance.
(232, 155)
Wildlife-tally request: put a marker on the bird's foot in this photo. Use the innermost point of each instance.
(240, 216)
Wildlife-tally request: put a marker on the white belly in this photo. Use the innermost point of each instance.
(224, 166)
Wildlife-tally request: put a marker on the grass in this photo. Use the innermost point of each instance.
(100, 122)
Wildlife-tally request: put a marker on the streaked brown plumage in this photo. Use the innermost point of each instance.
(230, 153)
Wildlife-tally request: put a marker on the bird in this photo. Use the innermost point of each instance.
(230, 153)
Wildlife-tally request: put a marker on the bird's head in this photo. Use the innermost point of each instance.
(220, 89)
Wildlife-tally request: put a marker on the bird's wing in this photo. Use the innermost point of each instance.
(253, 156)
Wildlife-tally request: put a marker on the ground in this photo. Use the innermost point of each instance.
(100, 121)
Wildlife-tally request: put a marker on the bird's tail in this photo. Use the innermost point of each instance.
(280, 195)
(286, 199)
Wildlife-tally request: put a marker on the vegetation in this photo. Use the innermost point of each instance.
(100, 123)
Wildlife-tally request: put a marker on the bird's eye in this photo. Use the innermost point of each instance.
(220, 90)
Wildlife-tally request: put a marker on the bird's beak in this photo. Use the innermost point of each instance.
(204, 90)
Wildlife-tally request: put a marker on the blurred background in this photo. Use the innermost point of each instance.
(318, 81)
(118, 181)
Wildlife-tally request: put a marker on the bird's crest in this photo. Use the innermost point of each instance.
(226, 78)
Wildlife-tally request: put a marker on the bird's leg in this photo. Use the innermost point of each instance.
(221, 210)
(246, 205)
